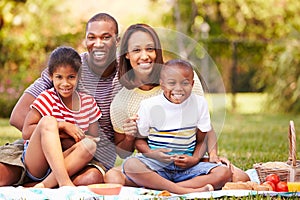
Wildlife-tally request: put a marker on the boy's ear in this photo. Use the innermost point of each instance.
(161, 83)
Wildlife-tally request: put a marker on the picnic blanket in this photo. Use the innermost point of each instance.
(82, 192)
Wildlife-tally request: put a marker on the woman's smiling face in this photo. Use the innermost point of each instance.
(141, 53)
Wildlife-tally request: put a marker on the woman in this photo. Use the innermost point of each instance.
(140, 61)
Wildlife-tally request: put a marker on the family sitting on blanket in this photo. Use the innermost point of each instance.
(99, 78)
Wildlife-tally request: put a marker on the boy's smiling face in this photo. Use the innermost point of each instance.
(177, 83)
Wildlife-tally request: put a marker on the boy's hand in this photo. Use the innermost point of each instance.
(219, 160)
(225, 161)
(214, 159)
(160, 155)
(185, 161)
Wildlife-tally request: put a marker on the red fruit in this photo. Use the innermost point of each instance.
(282, 186)
(271, 184)
(274, 178)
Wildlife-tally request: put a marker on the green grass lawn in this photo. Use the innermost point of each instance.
(7, 132)
(249, 134)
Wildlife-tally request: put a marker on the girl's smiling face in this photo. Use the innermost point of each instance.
(177, 83)
(65, 80)
(141, 53)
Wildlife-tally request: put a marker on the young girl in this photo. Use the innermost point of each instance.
(55, 129)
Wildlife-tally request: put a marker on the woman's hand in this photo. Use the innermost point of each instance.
(130, 126)
(125, 140)
(185, 161)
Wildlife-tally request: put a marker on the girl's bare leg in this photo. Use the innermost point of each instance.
(45, 150)
(143, 176)
(76, 157)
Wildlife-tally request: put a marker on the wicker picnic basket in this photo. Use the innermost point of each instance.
(287, 171)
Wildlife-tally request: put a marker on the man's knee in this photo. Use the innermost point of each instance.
(9, 174)
(89, 175)
(115, 175)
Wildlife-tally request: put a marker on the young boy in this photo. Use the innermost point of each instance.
(58, 115)
(174, 125)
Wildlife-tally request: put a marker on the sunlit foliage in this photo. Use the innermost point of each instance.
(29, 31)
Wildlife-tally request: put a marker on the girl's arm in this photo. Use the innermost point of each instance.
(32, 119)
(67, 130)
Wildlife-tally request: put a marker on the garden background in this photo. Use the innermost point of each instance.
(245, 51)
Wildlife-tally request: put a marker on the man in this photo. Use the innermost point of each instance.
(99, 79)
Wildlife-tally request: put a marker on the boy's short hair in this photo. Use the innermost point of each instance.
(177, 62)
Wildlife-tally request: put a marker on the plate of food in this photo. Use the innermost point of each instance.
(106, 188)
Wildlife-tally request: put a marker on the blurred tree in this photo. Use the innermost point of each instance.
(251, 39)
(30, 30)
(282, 74)
(257, 40)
